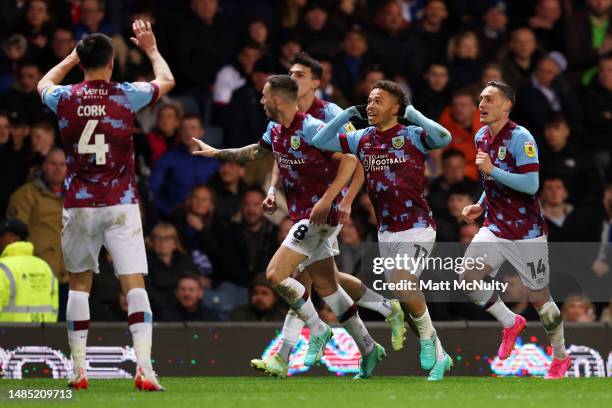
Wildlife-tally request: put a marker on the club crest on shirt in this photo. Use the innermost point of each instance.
(501, 152)
(398, 142)
(530, 150)
(295, 142)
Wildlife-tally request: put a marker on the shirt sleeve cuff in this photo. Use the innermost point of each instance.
(155, 93)
(344, 145)
(528, 168)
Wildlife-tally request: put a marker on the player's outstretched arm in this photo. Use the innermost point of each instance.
(346, 168)
(241, 155)
(58, 72)
(145, 40)
(527, 183)
(437, 135)
(327, 137)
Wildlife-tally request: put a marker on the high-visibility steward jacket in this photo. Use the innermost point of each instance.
(28, 287)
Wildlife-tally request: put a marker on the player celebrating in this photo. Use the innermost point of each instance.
(514, 229)
(100, 206)
(393, 157)
(312, 180)
(307, 71)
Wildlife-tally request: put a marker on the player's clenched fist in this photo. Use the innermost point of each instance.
(483, 161)
(472, 212)
(204, 149)
(269, 204)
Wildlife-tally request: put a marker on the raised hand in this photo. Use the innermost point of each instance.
(204, 149)
(143, 36)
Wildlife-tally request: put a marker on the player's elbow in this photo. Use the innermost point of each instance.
(534, 184)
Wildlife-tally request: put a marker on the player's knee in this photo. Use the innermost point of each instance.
(273, 277)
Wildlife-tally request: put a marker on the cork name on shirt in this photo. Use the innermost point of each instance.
(381, 162)
(91, 110)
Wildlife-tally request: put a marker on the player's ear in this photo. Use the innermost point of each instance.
(396, 109)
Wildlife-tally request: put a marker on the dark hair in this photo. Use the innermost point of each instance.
(46, 126)
(464, 92)
(505, 89)
(393, 88)
(191, 276)
(95, 51)
(253, 189)
(304, 59)
(213, 196)
(285, 85)
(459, 188)
(249, 44)
(192, 116)
(554, 120)
(450, 153)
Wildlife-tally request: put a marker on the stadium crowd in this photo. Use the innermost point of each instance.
(208, 238)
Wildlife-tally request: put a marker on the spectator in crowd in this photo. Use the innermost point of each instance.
(545, 94)
(254, 238)
(203, 44)
(547, 24)
(14, 160)
(467, 233)
(516, 295)
(327, 90)
(561, 157)
(39, 204)
(432, 94)
(588, 35)
(5, 130)
(320, 37)
(433, 30)
(14, 50)
(163, 137)
(349, 63)
(465, 65)
(492, 71)
(453, 172)
(25, 280)
(234, 75)
(370, 76)
(187, 306)
(42, 136)
(246, 120)
(521, 61)
(92, 19)
(393, 46)
(449, 222)
(37, 24)
(229, 187)
(264, 304)
(578, 308)
(289, 47)
(22, 99)
(566, 222)
(199, 229)
(462, 119)
(167, 261)
(597, 102)
(601, 265)
(606, 314)
(290, 12)
(62, 44)
(177, 170)
(257, 31)
(349, 243)
(493, 33)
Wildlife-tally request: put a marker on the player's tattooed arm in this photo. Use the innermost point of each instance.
(240, 155)
(437, 135)
(346, 168)
(58, 72)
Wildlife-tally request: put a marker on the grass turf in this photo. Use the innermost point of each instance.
(337, 392)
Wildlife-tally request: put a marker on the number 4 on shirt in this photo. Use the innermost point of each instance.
(99, 148)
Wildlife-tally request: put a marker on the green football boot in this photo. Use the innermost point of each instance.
(398, 325)
(316, 346)
(271, 365)
(368, 363)
(440, 367)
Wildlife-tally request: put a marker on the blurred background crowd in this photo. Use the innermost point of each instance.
(208, 238)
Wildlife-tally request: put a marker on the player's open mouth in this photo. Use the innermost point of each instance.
(483, 114)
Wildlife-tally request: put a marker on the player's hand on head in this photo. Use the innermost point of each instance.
(472, 212)
(483, 162)
(204, 149)
(320, 211)
(143, 35)
(269, 204)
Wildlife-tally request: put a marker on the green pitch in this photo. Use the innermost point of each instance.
(337, 392)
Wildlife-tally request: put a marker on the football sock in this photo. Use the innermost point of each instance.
(140, 321)
(346, 311)
(500, 311)
(77, 321)
(553, 325)
(291, 333)
(296, 296)
(374, 301)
